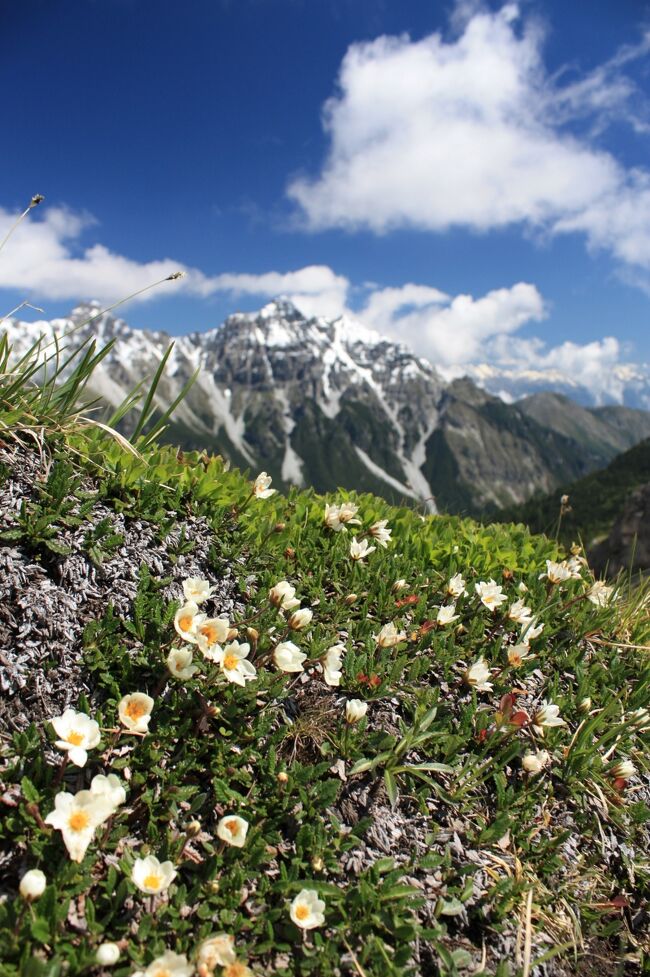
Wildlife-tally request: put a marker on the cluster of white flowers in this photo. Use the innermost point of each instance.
(77, 816)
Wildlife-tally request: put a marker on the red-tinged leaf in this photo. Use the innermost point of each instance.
(520, 718)
(619, 784)
(427, 626)
(507, 704)
(407, 601)
(374, 681)
(482, 735)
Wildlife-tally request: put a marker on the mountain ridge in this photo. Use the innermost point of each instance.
(331, 403)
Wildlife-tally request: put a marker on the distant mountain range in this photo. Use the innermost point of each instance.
(330, 403)
(608, 510)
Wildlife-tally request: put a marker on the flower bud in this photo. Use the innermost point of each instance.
(585, 705)
(355, 710)
(317, 863)
(623, 770)
(279, 527)
(253, 635)
(107, 954)
(232, 634)
(289, 553)
(350, 599)
(300, 619)
(192, 829)
(398, 585)
(32, 885)
(282, 777)
(213, 886)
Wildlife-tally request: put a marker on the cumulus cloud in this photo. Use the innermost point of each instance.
(45, 260)
(473, 132)
(451, 331)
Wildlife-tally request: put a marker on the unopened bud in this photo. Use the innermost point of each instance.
(213, 710)
(282, 777)
(289, 553)
(232, 634)
(398, 585)
(213, 886)
(192, 829)
(280, 527)
(350, 599)
(317, 863)
(507, 574)
(585, 705)
(253, 634)
(37, 199)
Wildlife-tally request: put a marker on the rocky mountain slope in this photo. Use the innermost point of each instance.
(329, 403)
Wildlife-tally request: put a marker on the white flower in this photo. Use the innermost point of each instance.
(217, 951)
(531, 631)
(490, 594)
(518, 654)
(170, 964)
(399, 585)
(522, 588)
(534, 763)
(282, 595)
(307, 910)
(446, 614)
(600, 594)
(211, 631)
(196, 590)
(32, 885)
(519, 613)
(288, 657)
(107, 954)
(348, 512)
(186, 620)
(179, 663)
(233, 830)
(77, 734)
(574, 566)
(556, 573)
(300, 619)
(623, 770)
(152, 876)
(360, 550)
(355, 710)
(640, 718)
(234, 666)
(261, 486)
(109, 789)
(134, 711)
(477, 676)
(76, 817)
(379, 532)
(456, 586)
(332, 662)
(547, 714)
(389, 636)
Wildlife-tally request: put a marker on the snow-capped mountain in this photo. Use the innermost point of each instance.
(330, 403)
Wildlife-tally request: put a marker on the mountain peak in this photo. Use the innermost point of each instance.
(281, 308)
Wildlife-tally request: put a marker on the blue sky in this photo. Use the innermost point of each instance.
(477, 183)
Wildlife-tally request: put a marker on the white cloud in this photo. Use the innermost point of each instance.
(451, 331)
(473, 132)
(44, 259)
(316, 289)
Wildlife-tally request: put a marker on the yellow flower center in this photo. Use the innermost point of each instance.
(302, 912)
(230, 662)
(135, 709)
(153, 881)
(515, 659)
(75, 738)
(236, 969)
(163, 972)
(185, 622)
(232, 827)
(78, 821)
(209, 632)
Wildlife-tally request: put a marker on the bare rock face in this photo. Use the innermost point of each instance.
(628, 544)
(47, 600)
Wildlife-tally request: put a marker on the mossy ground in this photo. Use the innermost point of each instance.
(440, 855)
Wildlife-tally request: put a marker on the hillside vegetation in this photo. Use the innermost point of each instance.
(595, 501)
(306, 735)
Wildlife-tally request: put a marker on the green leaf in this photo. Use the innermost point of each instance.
(391, 788)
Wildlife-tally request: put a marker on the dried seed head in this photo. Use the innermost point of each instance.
(37, 199)
(175, 276)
